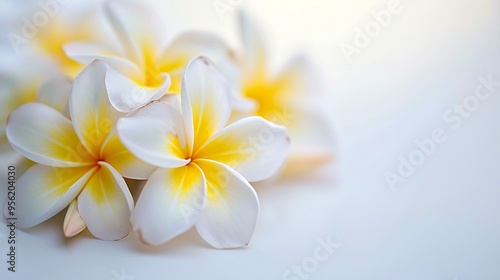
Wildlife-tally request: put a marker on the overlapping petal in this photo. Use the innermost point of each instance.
(185, 47)
(170, 204)
(92, 115)
(127, 95)
(230, 215)
(86, 53)
(205, 101)
(43, 191)
(124, 161)
(105, 204)
(252, 146)
(45, 136)
(156, 135)
(73, 223)
(55, 93)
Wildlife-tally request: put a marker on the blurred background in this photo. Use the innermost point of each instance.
(387, 84)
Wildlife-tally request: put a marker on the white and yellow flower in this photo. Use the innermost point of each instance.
(141, 70)
(34, 50)
(290, 98)
(79, 162)
(39, 30)
(204, 167)
(15, 91)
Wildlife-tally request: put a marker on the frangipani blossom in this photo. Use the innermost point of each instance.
(60, 31)
(41, 28)
(79, 163)
(141, 70)
(289, 98)
(15, 91)
(34, 67)
(204, 167)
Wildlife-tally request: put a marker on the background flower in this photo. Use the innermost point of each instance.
(22, 86)
(291, 98)
(34, 66)
(142, 69)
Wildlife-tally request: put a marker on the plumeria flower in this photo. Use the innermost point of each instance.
(204, 167)
(80, 23)
(30, 51)
(15, 91)
(79, 162)
(289, 98)
(141, 69)
(41, 28)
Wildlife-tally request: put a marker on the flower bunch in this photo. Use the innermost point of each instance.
(194, 121)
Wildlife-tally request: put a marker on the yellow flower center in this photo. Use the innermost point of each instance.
(264, 95)
(151, 72)
(53, 36)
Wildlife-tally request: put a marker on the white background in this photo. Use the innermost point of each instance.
(442, 223)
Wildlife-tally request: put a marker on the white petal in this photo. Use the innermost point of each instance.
(43, 135)
(304, 160)
(242, 106)
(174, 100)
(10, 157)
(205, 101)
(55, 93)
(184, 48)
(314, 142)
(124, 161)
(254, 48)
(155, 134)
(252, 146)
(192, 44)
(7, 98)
(312, 124)
(297, 83)
(73, 223)
(169, 204)
(92, 115)
(176, 80)
(126, 96)
(44, 191)
(187, 46)
(135, 26)
(105, 204)
(86, 53)
(230, 215)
